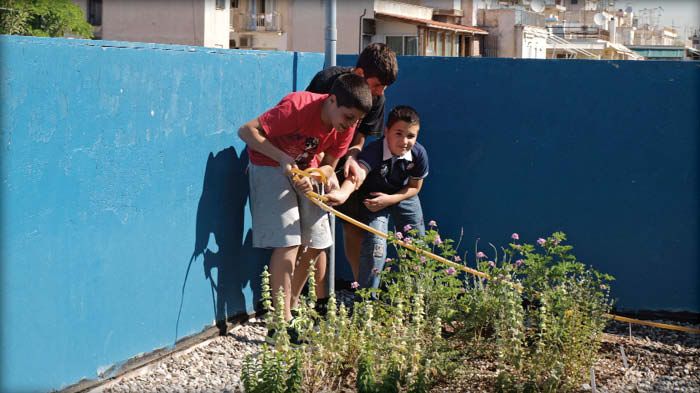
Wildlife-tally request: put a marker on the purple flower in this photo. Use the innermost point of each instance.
(437, 240)
(518, 262)
(422, 259)
(541, 241)
(450, 271)
(399, 235)
(432, 223)
(375, 271)
(515, 236)
(407, 228)
(355, 285)
(492, 263)
(457, 258)
(480, 255)
(408, 240)
(388, 260)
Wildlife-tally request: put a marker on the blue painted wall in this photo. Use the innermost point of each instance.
(119, 164)
(606, 151)
(120, 167)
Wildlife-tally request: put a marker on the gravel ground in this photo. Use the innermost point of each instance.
(657, 361)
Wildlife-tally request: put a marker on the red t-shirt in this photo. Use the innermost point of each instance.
(294, 126)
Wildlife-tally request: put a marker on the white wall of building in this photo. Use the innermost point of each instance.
(216, 24)
(531, 42)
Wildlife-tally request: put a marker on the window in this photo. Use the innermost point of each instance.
(448, 44)
(95, 12)
(234, 4)
(574, 1)
(395, 43)
(220, 4)
(403, 45)
(410, 46)
(432, 38)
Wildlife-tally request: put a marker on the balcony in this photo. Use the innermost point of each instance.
(579, 32)
(269, 21)
(528, 18)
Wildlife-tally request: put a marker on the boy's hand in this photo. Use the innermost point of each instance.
(332, 183)
(336, 197)
(379, 202)
(352, 171)
(303, 184)
(287, 163)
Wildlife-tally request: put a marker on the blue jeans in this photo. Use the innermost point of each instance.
(373, 251)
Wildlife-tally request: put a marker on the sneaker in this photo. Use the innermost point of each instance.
(291, 332)
(322, 307)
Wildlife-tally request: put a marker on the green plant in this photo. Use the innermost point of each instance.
(538, 316)
(43, 18)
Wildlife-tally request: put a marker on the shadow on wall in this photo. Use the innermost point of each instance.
(231, 265)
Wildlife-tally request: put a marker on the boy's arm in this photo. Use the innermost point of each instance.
(254, 136)
(381, 201)
(352, 169)
(341, 194)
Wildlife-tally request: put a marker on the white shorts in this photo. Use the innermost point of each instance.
(283, 217)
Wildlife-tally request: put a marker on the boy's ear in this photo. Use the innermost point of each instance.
(359, 71)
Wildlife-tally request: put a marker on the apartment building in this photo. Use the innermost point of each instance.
(427, 27)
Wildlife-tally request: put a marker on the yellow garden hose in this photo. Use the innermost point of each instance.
(320, 201)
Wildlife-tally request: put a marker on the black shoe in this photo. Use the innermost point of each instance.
(291, 332)
(322, 307)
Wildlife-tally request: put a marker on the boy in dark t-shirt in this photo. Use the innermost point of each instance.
(395, 167)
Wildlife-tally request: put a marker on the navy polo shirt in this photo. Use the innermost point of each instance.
(388, 173)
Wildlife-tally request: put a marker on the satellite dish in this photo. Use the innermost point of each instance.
(599, 19)
(537, 5)
(628, 9)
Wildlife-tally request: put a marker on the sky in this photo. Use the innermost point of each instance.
(682, 14)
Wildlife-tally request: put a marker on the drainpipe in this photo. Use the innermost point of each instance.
(331, 33)
(331, 38)
(359, 45)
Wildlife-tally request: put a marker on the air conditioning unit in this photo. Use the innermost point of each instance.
(245, 41)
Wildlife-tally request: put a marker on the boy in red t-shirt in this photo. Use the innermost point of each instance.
(289, 135)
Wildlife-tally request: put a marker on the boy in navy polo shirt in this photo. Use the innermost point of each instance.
(395, 167)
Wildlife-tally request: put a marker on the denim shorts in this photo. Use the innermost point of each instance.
(282, 216)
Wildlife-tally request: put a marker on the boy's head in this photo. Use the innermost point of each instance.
(377, 64)
(402, 129)
(348, 102)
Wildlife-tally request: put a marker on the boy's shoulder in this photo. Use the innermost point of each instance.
(323, 80)
(300, 100)
(419, 150)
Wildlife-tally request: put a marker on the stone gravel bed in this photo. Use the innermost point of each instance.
(657, 361)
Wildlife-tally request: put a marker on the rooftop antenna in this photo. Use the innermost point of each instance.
(537, 5)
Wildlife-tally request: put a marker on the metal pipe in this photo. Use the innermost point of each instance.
(359, 45)
(331, 38)
(331, 34)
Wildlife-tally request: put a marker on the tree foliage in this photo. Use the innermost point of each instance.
(43, 18)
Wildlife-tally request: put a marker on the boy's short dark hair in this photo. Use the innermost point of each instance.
(379, 61)
(403, 113)
(352, 91)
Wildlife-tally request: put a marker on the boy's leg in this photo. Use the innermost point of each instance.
(281, 273)
(373, 250)
(352, 239)
(301, 273)
(276, 224)
(315, 236)
(408, 212)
